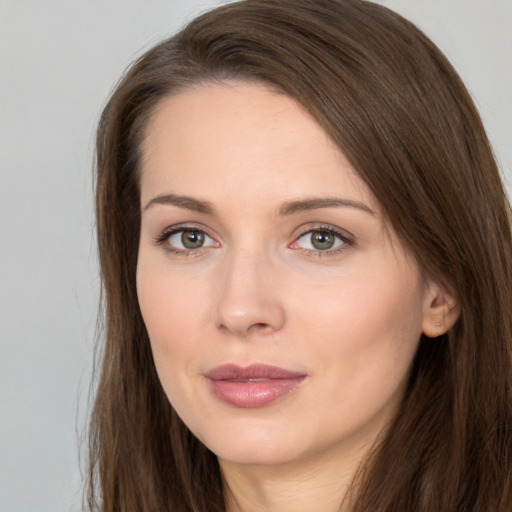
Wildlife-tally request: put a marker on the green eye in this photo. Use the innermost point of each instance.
(192, 239)
(187, 239)
(322, 240)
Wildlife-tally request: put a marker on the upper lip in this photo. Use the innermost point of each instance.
(236, 372)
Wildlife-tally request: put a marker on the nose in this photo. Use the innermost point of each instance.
(249, 298)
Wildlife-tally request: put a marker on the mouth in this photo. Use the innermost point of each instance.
(254, 386)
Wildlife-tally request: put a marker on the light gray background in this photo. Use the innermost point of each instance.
(58, 61)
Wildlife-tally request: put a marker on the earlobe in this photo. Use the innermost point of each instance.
(441, 312)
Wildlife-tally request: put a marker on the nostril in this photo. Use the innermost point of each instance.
(244, 330)
(260, 327)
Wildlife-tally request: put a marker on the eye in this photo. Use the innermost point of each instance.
(188, 239)
(320, 239)
(185, 239)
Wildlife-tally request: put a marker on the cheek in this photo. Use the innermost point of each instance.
(370, 301)
(169, 309)
(366, 338)
(170, 301)
(366, 329)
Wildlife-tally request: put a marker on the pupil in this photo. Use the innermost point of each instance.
(322, 240)
(192, 239)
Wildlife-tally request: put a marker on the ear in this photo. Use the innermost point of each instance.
(441, 311)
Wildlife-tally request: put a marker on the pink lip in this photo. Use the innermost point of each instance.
(253, 386)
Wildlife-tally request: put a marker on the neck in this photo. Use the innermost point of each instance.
(313, 483)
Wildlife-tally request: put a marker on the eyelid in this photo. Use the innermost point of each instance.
(166, 233)
(347, 238)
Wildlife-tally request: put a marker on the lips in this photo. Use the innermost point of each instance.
(253, 386)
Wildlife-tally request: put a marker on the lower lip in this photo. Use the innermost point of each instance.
(253, 394)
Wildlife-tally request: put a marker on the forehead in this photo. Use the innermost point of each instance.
(242, 136)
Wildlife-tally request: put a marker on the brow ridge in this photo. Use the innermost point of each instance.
(288, 208)
(304, 205)
(183, 202)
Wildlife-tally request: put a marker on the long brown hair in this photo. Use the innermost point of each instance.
(398, 110)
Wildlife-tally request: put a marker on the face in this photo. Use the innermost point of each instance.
(283, 314)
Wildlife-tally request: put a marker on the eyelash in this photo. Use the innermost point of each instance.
(170, 231)
(346, 239)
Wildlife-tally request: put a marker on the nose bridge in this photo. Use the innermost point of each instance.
(248, 298)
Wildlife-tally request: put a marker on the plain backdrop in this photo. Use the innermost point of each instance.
(58, 62)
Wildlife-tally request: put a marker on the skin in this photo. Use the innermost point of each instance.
(258, 291)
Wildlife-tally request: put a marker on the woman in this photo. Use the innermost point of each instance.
(306, 255)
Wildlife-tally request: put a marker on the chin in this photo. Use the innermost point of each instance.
(254, 444)
(262, 455)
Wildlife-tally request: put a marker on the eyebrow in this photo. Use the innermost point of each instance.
(183, 202)
(288, 208)
(305, 205)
